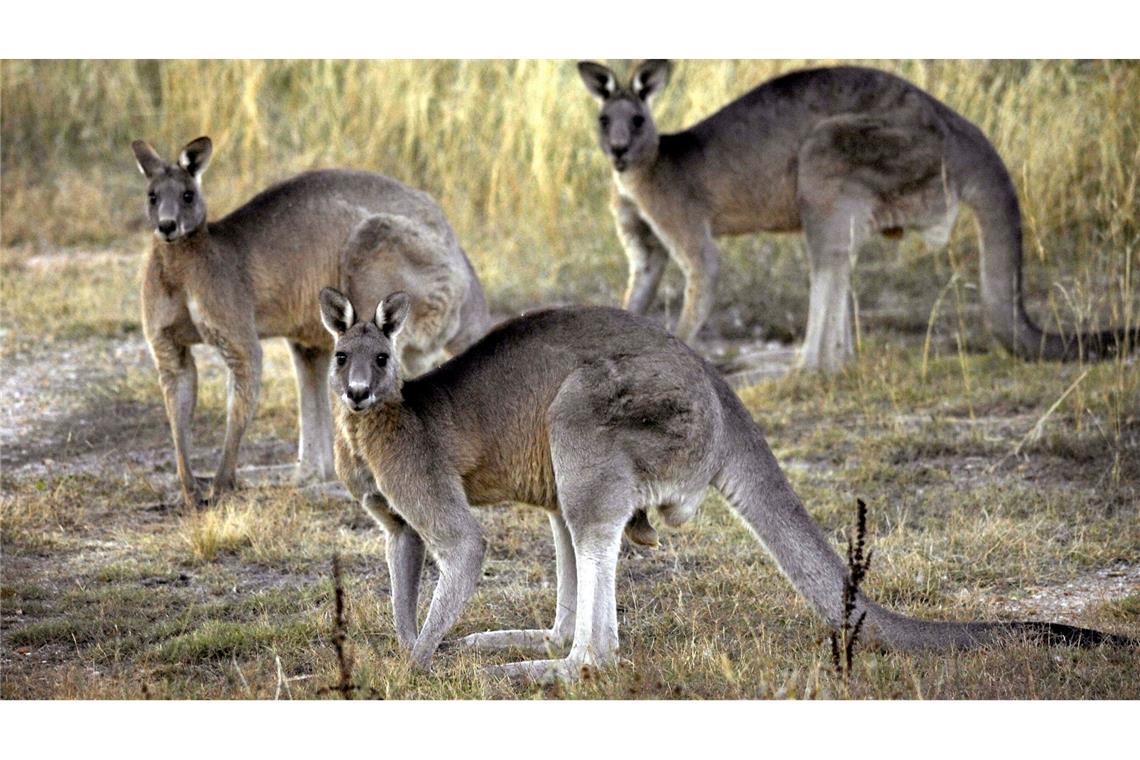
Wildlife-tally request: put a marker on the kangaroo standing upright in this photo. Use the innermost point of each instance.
(590, 414)
(257, 272)
(841, 154)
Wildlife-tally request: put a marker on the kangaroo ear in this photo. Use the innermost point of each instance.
(195, 157)
(392, 312)
(600, 81)
(150, 163)
(650, 78)
(336, 311)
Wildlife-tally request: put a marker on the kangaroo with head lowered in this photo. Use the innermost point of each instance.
(256, 273)
(590, 414)
(840, 153)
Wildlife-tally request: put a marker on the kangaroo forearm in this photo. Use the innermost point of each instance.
(352, 471)
(178, 378)
(459, 574)
(405, 554)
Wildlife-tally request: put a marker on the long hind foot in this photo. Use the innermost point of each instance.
(540, 641)
(267, 474)
(540, 671)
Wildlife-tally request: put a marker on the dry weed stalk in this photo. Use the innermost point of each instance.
(344, 686)
(843, 643)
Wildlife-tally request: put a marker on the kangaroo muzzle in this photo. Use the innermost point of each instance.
(358, 387)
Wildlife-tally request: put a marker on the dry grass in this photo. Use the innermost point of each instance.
(108, 592)
(507, 147)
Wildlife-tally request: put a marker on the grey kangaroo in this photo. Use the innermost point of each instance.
(590, 414)
(839, 153)
(256, 274)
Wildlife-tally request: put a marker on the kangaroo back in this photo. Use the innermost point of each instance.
(389, 252)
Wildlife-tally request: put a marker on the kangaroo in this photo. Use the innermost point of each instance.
(256, 273)
(590, 414)
(837, 153)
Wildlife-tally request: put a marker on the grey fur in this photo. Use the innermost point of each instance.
(590, 414)
(838, 153)
(256, 273)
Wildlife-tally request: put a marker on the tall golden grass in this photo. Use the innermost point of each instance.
(508, 149)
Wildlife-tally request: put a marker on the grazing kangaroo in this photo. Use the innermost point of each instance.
(839, 153)
(256, 274)
(590, 414)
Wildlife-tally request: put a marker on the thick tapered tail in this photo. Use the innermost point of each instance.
(755, 486)
(989, 190)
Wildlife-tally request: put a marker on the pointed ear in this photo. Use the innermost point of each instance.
(195, 157)
(600, 81)
(650, 78)
(336, 311)
(392, 312)
(150, 163)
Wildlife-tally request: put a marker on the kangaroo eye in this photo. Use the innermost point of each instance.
(604, 121)
(188, 196)
(152, 198)
(340, 359)
(381, 359)
(638, 121)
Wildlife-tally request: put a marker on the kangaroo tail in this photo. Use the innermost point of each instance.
(989, 190)
(756, 488)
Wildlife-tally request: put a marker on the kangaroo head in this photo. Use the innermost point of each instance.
(175, 206)
(364, 369)
(626, 130)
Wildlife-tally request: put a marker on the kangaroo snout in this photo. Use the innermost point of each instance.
(618, 152)
(357, 392)
(357, 396)
(166, 227)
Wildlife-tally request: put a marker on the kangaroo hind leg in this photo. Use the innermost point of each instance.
(315, 439)
(858, 173)
(596, 499)
(542, 640)
(832, 242)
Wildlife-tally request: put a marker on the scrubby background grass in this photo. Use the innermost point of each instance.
(508, 149)
(987, 478)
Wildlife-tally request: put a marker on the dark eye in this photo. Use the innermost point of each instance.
(152, 198)
(340, 359)
(188, 196)
(638, 121)
(381, 359)
(604, 121)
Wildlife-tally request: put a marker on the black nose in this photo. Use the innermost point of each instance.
(167, 226)
(617, 151)
(357, 393)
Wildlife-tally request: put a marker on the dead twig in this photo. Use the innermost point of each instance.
(344, 685)
(843, 643)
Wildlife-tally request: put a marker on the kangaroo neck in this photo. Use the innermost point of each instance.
(634, 179)
(177, 255)
(377, 428)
